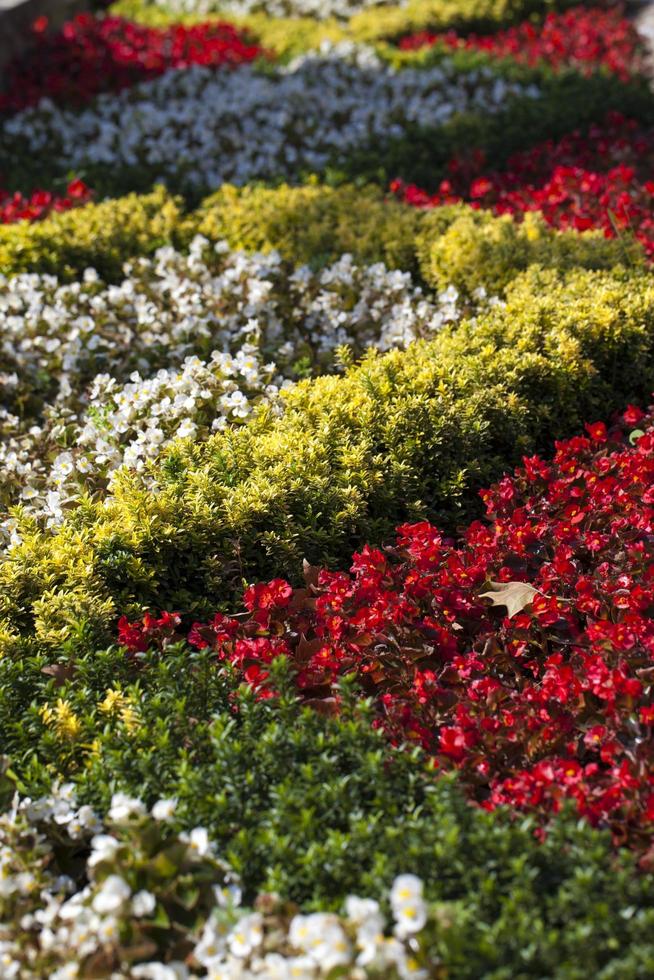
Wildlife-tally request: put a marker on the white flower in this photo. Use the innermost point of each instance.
(143, 903)
(113, 893)
(278, 967)
(160, 971)
(124, 807)
(103, 847)
(198, 841)
(243, 124)
(246, 936)
(164, 809)
(68, 972)
(322, 937)
(211, 948)
(408, 906)
(360, 910)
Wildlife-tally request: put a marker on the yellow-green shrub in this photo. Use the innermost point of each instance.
(99, 235)
(467, 248)
(291, 35)
(416, 15)
(314, 223)
(406, 435)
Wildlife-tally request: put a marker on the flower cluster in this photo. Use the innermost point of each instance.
(98, 54)
(129, 896)
(583, 38)
(599, 179)
(141, 890)
(17, 207)
(522, 656)
(204, 127)
(317, 9)
(99, 376)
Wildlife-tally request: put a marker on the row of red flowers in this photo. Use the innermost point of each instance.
(581, 38)
(18, 207)
(522, 656)
(599, 179)
(98, 54)
(91, 54)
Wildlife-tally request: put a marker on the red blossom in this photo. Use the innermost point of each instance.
(17, 207)
(552, 703)
(92, 54)
(582, 38)
(597, 179)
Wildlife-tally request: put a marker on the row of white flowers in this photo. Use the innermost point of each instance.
(153, 903)
(317, 9)
(211, 126)
(99, 376)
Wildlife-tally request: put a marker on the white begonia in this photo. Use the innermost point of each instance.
(210, 950)
(232, 309)
(317, 9)
(103, 848)
(278, 967)
(124, 807)
(143, 904)
(112, 895)
(206, 127)
(164, 809)
(246, 936)
(70, 971)
(321, 936)
(160, 971)
(198, 842)
(407, 903)
(58, 936)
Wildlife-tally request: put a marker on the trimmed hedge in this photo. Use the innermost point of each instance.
(466, 248)
(313, 224)
(101, 235)
(316, 808)
(409, 434)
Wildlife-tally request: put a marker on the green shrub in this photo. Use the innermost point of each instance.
(289, 36)
(567, 102)
(311, 224)
(468, 249)
(318, 807)
(101, 235)
(454, 245)
(405, 435)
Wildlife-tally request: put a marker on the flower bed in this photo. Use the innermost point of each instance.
(206, 127)
(547, 700)
(598, 179)
(581, 38)
(90, 55)
(209, 406)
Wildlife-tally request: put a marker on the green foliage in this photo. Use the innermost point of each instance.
(318, 807)
(312, 224)
(101, 235)
(406, 435)
(567, 102)
(288, 36)
(471, 249)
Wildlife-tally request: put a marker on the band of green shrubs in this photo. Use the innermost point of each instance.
(407, 435)
(316, 808)
(313, 224)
